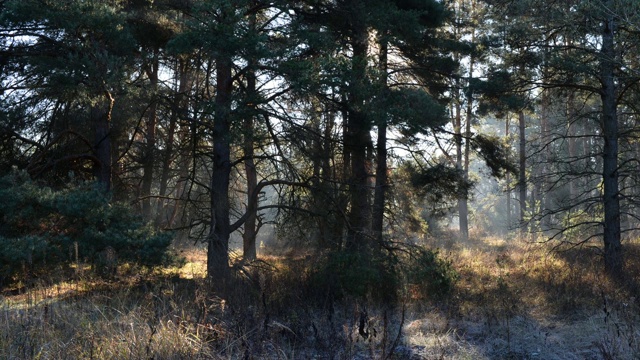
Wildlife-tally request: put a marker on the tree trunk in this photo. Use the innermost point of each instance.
(571, 132)
(463, 223)
(150, 146)
(457, 128)
(332, 224)
(343, 195)
(381, 185)
(613, 258)
(508, 177)
(218, 239)
(250, 225)
(359, 131)
(545, 199)
(357, 235)
(101, 119)
(463, 203)
(522, 176)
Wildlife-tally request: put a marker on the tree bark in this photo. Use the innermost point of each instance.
(250, 226)
(359, 128)
(381, 185)
(571, 132)
(545, 199)
(613, 255)
(101, 119)
(463, 203)
(508, 177)
(522, 175)
(150, 146)
(219, 232)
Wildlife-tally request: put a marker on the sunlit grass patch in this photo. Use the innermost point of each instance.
(141, 313)
(102, 326)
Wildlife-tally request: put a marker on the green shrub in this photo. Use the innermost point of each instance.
(41, 228)
(429, 274)
(358, 274)
(380, 275)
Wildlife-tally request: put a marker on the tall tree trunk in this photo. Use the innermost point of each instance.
(250, 225)
(330, 188)
(344, 197)
(218, 239)
(322, 191)
(463, 203)
(359, 131)
(457, 128)
(545, 199)
(101, 118)
(150, 146)
(333, 223)
(357, 236)
(613, 255)
(508, 177)
(522, 176)
(381, 185)
(463, 224)
(318, 194)
(571, 132)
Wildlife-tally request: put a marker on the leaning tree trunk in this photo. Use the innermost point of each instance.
(613, 259)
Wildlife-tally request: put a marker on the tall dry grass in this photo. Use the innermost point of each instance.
(514, 300)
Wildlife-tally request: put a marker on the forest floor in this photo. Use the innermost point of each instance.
(513, 300)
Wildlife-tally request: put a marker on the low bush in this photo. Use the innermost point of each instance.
(381, 275)
(428, 273)
(42, 228)
(359, 274)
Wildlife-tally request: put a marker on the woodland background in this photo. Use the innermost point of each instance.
(298, 179)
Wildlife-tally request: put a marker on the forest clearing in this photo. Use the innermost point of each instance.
(513, 300)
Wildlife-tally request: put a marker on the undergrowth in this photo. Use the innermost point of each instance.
(509, 300)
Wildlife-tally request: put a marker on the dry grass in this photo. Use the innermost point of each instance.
(514, 300)
(519, 300)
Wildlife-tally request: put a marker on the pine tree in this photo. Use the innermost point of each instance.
(76, 52)
(563, 32)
